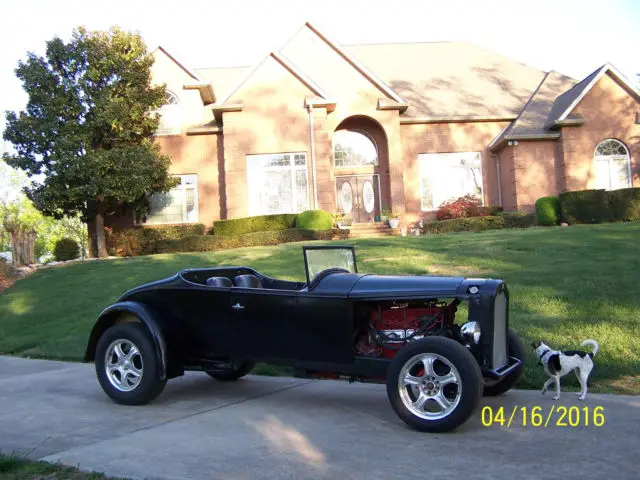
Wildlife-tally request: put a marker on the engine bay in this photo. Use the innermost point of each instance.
(384, 328)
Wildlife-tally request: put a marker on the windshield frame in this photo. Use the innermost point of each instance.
(305, 249)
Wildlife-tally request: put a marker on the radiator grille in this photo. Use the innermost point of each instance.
(500, 331)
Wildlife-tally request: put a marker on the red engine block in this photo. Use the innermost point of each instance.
(402, 321)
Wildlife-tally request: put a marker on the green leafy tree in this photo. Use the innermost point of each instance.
(88, 127)
(20, 219)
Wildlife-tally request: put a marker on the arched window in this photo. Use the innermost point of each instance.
(354, 149)
(612, 165)
(169, 115)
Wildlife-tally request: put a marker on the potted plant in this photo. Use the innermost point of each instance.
(384, 215)
(341, 222)
(394, 220)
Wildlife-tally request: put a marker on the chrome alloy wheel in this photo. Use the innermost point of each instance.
(430, 386)
(123, 365)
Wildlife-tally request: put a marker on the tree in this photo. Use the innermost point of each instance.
(88, 127)
(20, 220)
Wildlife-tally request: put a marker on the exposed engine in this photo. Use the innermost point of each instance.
(391, 325)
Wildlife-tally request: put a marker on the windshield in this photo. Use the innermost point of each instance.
(318, 259)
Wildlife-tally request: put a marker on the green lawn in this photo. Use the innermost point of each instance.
(16, 468)
(567, 284)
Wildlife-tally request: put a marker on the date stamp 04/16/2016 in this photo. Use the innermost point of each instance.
(554, 416)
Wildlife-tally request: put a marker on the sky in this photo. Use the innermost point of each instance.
(572, 37)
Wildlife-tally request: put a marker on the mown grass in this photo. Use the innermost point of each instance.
(18, 468)
(566, 284)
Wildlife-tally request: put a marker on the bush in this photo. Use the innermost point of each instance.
(548, 211)
(66, 249)
(624, 204)
(584, 206)
(462, 207)
(479, 224)
(262, 223)
(207, 243)
(315, 220)
(132, 242)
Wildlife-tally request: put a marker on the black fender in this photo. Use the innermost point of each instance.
(145, 314)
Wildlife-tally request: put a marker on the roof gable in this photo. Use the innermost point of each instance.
(334, 68)
(193, 81)
(568, 101)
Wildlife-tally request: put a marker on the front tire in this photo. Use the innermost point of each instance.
(231, 371)
(515, 349)
(127, 364)
(434, 384)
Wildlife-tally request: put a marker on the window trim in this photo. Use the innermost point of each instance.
(435, 208)
(173, 108)
(292, 167)
(352, 167)
(184, 221)
(609, 158)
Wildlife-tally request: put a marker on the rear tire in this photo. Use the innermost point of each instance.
(434, 384)
(127, 364)
(515, 349)
(231, 372)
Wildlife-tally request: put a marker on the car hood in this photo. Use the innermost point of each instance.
(409, 286)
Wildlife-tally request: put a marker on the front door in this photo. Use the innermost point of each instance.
(358, 197)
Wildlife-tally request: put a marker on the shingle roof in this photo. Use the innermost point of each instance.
(566, 98)
(451, 78)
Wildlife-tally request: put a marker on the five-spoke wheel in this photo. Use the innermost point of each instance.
(434, 384)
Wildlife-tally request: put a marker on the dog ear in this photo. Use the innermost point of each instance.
(535, 345)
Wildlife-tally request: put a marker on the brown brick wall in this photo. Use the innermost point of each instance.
(535, 175)
(609, 112)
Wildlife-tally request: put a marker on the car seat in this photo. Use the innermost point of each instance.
(247, 281)
(219, 282)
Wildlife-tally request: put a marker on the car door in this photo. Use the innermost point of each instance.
(263, 325)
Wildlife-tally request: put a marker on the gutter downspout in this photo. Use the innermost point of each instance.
(497, 157)
(313, 156)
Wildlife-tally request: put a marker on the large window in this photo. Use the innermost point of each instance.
(612, 165)
(179, 205)
(170, 122)
(354, 149)
(445, 176)
(277, 183)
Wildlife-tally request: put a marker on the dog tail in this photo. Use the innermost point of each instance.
(595, 346)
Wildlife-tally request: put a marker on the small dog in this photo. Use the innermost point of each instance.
(557, 364)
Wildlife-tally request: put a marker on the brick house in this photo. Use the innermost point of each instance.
(402, 127)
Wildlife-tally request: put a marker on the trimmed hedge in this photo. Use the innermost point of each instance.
(207, 243)
(584, 206)
(548, 211)
(624, 204)
(262, 223)
(314, 220)
(132, 242)
(66, 249)
(479, 224)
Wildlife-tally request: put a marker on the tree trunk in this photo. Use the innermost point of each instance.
(100, 237)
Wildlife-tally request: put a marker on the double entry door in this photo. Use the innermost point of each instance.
(358, 197)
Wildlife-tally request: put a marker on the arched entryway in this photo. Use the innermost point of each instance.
(361, 169)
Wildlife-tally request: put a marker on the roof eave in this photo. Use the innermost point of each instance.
(207, 94)
(458, 119)
(387, 104)
(522, 137)
(330, 105)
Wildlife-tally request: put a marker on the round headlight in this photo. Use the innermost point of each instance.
(470, 332)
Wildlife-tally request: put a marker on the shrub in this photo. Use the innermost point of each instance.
(624, 204)
(66, 249)
(463, 207)
(262, 223)
(584, 206)
(206, 243)
(314, 220)
(132, 242)
(479, 224)
(548, 210)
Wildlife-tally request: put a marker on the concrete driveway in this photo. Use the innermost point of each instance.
(284, 428)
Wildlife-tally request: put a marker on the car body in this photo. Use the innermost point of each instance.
(399, 329)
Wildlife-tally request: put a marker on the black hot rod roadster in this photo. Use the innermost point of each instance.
(401, 330)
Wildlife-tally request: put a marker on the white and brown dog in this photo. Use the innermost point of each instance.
(557, 364)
